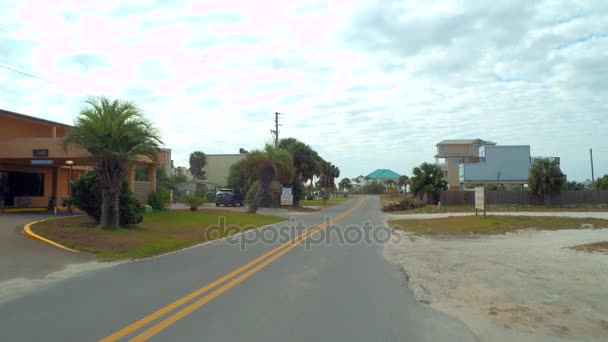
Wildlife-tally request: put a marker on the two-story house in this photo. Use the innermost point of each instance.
(503, 164)
(452, 153)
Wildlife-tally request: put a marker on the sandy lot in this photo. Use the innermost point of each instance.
(522, 286)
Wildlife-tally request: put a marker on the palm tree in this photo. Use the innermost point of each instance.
(114, 132)
(266, 166)
(389, 183)
(427, 179)
(198, 160)
(403, 181)
(304, 162)
(546, 178)
(345, 184)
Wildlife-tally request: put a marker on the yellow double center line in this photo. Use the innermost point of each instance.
(229, 281)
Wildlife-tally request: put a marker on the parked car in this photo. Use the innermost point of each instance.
(228, 197)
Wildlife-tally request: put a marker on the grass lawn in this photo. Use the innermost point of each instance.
(318, 202)
(461, 225)
(160, 232)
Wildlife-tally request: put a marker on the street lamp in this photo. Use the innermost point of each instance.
(70, 163)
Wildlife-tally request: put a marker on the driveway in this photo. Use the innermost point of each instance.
(21, 257)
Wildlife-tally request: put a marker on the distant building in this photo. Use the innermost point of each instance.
(452, 153)
(218, 166)
(500, 164)
(506, 164)
(382, 176)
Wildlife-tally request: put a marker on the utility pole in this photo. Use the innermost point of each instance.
(592, 175)
(275, 131)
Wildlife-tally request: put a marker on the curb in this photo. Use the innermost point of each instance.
(27, 231)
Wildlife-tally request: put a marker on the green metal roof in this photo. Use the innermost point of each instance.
(383, 173)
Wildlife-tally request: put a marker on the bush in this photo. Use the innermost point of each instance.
(86, 194)
(270, 199)
(373, 188)
(194, 201)
(405, 204)
(160, 199)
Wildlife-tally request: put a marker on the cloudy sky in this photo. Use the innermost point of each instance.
(369, 84)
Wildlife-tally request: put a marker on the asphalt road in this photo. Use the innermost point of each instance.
(331, 291)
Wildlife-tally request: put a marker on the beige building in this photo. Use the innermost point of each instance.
(36, 168)
(218, 167)
(452, 153)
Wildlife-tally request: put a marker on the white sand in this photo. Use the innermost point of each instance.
(522, 286)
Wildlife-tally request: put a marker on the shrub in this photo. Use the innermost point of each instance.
(160, 199)
(405, 204)
(373, 188)
(194, 201)
(86, 194)
(270, 199)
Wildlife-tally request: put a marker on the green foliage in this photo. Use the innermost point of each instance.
(194, 201)
(298, 191)
(236, 178)
(198, 160)
(546, 178)
(407, 203)
(427, 179)
(267, 166)
(345, 184)
(574, 185)
(602, 183)
(141, 173)
(403, 181)
(305, 159)
(114, 132)
(86, 194)
(270, 199)
(160, 199)
(372, 188)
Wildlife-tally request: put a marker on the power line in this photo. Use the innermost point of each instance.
(26, 74)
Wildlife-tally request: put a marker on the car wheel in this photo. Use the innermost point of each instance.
(234, 203)
(242, 204)
(217, 204)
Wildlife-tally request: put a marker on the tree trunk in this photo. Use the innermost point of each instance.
(110, 216)
(111, 175)
(255, 202)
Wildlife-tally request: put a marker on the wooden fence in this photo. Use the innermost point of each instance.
(565, 198)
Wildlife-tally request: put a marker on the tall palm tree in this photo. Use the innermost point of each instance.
(546, 178)
(403, 181)
(304, 163)
(114, 132)
(266, 166)
(197, 161)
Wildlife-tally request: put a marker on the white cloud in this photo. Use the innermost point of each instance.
(368, 84)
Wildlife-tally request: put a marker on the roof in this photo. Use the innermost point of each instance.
(383, 174)
(33, 118)
(465, 142)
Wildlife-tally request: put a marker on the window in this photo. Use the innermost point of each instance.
(442, 148)
(454, 161)
(476, 147)
(141, 173)
(22, 183)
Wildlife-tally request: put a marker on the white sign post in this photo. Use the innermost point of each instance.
(480, 200)
(286, 196)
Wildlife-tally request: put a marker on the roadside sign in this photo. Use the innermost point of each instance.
(286, 199)
(480, 200)
(41, 162)
(286, 191)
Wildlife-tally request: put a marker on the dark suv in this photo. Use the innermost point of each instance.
(228, 197)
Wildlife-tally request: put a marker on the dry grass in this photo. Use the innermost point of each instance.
(488, 225)
(600, 247)
(160, 232)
